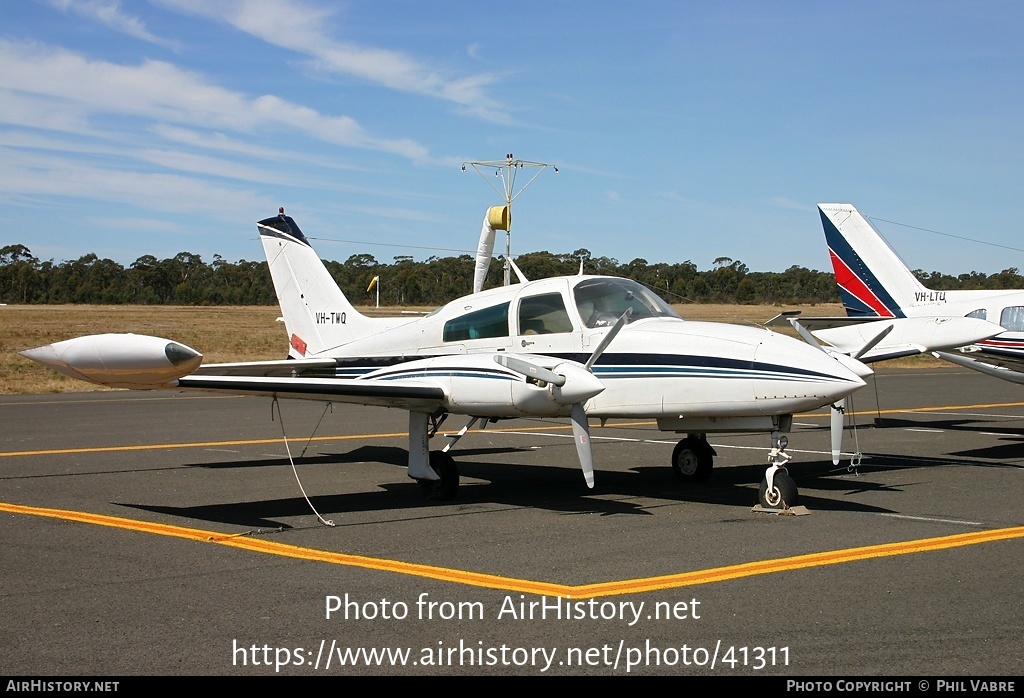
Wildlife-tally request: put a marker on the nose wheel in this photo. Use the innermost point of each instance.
(778, 490)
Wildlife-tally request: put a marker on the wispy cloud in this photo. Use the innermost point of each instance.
(61, 90)
(300, 26)
(109, 13)
(40, 175)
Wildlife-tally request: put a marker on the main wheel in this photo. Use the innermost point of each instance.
(692, 460)
(447, 487)
(782, 495)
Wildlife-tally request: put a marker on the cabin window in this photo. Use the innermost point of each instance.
(543, 315)
(602, 300)
(1012, 318)
(480, 324)
(980, 314)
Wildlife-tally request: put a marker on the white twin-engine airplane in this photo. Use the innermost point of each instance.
(875, 284)
(578, 347)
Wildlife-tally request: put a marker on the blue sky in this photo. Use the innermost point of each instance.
(681, 130)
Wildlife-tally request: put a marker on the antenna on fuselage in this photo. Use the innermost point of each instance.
(506, 170)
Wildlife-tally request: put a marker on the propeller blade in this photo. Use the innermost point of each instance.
(802, 331)
(838, 413)
(529, 370)
(871, 345)
(581, 435)
(608, 339)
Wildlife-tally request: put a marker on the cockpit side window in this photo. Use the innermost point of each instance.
(602, 300)
(1012, 318)
(480, 324)
(544, 314)
(980, 314)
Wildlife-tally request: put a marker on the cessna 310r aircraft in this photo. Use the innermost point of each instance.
(875, 284)
(578, 347)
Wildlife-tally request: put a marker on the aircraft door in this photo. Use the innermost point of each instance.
(544, 326)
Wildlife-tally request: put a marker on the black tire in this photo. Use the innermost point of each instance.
(783, 495)
(447, 487)
(692, 460)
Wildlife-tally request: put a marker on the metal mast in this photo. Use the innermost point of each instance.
(506, 170)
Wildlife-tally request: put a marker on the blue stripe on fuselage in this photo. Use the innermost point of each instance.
(610, 365)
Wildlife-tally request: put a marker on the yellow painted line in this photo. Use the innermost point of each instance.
(349, 437)
(959, 407)
(194, 444)
(831, 557)
(490, 581)
(292, 551)
(903, 410)
(257, 442)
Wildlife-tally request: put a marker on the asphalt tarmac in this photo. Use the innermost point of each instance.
(167, 534)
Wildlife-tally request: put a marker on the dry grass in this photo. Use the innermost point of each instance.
(231, 333)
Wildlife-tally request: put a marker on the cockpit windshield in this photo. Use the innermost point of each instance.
(602, 300)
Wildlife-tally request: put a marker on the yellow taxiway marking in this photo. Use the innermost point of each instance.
(193, 444)
(491, 581)
(393, 435)
(257, 442)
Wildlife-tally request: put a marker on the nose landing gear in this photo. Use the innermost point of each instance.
(777, 490)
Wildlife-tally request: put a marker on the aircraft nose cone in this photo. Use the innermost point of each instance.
(814, 378)
(845, 375)
(858, 368)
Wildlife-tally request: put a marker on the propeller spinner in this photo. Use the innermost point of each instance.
(575, 385)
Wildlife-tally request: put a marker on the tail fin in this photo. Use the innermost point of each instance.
(317, 315)
(873, 280)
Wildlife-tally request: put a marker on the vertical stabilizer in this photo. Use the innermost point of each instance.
(316, 313)
(873, 280)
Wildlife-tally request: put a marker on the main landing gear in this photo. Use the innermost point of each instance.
(693, 458)
(441, 462)
(447, 487)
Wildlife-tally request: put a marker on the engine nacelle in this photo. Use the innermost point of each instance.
(476, 385)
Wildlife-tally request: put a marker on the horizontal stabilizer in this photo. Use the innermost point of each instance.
(827, 322)
(907, 337)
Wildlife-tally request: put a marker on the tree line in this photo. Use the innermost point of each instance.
(186, 279)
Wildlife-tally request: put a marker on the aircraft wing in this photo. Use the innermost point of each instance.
(1006, 368)
(489, 384)
(283, 368)
(408, 394)
(142, 362)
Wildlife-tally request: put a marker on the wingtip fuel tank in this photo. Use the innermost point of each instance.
(119, 360)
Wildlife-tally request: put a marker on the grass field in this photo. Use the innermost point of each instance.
(249, 333)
